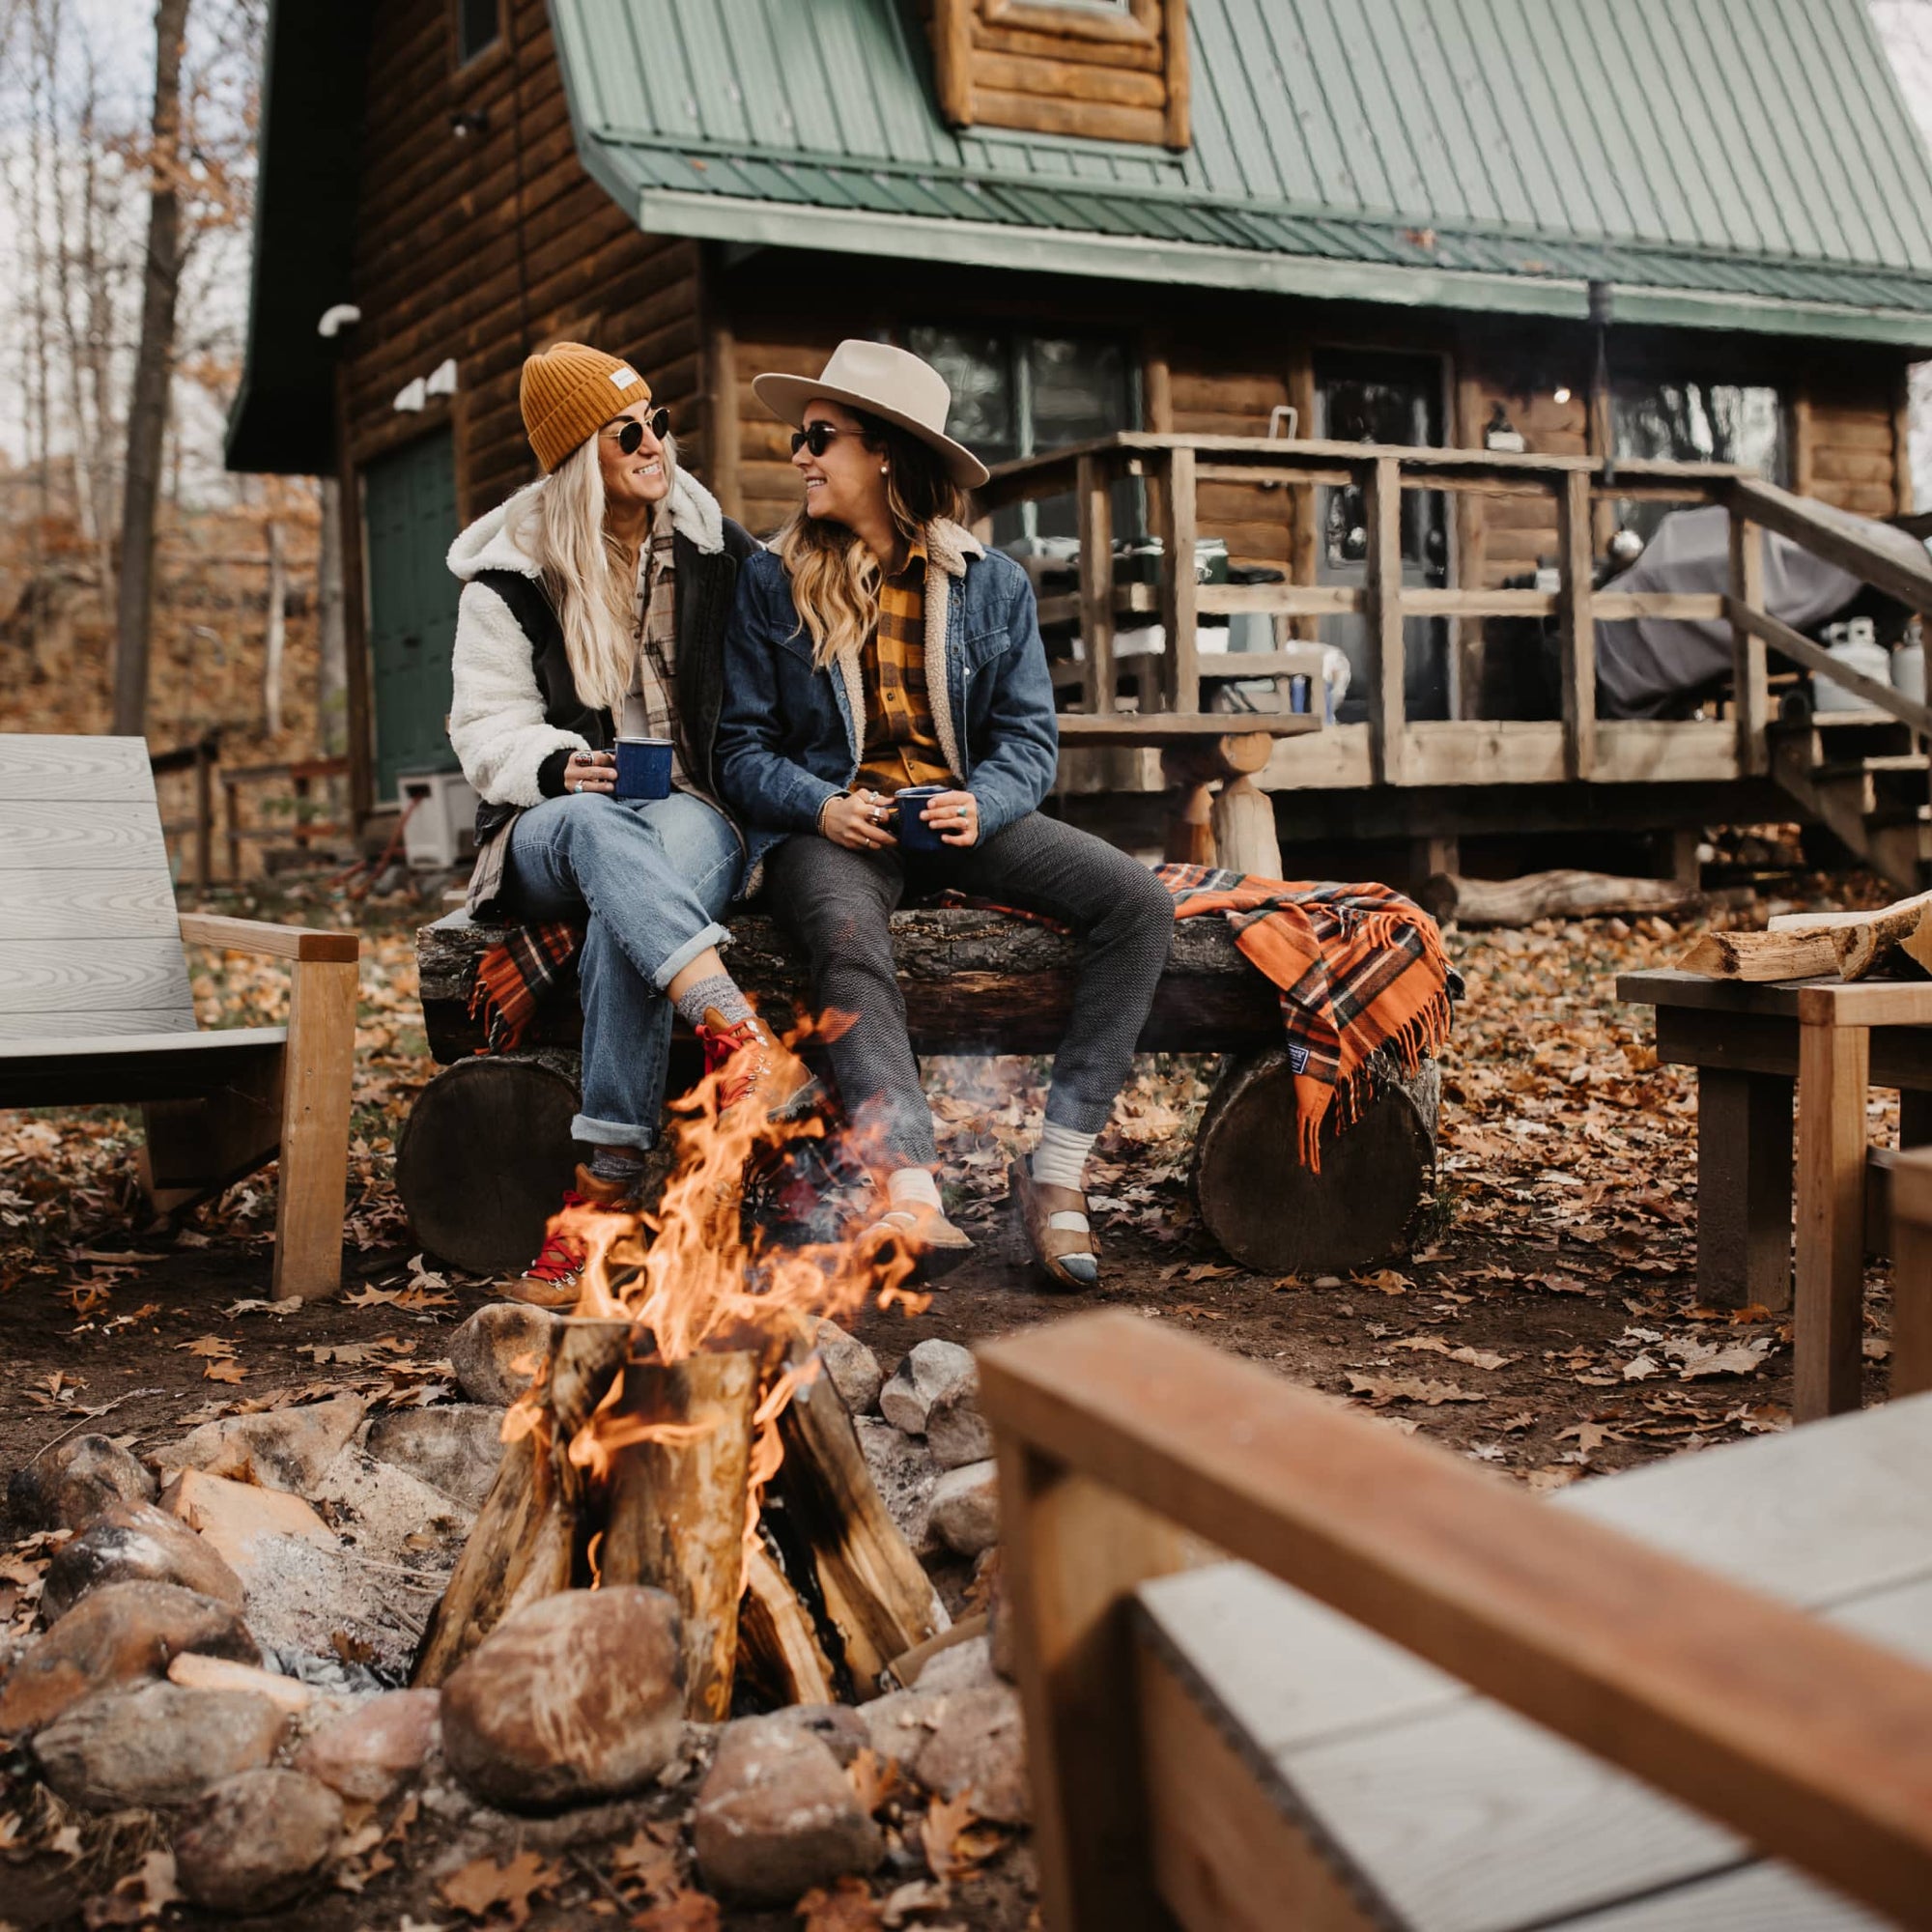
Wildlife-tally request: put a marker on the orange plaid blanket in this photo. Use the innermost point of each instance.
(1358, 967)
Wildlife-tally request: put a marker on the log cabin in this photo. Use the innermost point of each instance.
(1579, 232)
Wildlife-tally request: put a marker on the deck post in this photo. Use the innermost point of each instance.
(1179, 599)
(1747, 668)
(205, 754)
(1095, 507)
(1388, 729)
(1577, 626)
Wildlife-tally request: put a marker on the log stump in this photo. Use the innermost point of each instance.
(485, 1159)
(1273, 1214)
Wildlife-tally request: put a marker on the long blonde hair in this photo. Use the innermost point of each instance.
(589, 577)
(835, 577)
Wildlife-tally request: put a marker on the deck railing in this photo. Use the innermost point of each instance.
(1174, 468)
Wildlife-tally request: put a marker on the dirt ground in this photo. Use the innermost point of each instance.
(1546, 1322)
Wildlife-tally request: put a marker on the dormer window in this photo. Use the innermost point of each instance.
(1106, 69)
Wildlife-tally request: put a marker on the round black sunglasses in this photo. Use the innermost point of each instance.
(631, 434)
(817, 438)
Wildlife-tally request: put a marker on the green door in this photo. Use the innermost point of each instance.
(409, 507)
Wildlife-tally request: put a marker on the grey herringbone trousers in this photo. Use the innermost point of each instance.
(838, 903)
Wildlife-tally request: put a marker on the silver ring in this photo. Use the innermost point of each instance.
(578, 786)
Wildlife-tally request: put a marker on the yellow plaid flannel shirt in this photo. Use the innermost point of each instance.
(902, 746)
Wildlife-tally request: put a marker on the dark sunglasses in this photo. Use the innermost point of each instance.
(631, 433)
(818, 438)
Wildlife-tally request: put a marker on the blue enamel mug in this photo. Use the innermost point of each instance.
(915, 834)
(643, 768)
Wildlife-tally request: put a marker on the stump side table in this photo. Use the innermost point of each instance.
(1751, 1046)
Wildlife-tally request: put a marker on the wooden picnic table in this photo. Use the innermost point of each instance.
(1752, 1045)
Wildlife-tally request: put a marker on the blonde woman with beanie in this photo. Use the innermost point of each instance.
(594, 605)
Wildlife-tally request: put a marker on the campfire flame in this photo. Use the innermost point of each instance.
(687, 1282)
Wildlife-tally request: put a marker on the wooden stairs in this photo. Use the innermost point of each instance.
(1862, 775)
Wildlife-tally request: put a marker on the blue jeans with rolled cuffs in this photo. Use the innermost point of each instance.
(652, 876)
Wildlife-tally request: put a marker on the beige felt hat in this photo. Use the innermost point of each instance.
(884, 382)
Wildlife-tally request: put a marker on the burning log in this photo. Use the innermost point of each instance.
(780, 1658)
(526, 1541)
(679, 1498)
(877, 1597)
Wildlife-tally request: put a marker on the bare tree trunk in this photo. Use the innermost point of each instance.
(331, 627)
(278, 630)
(153, 364)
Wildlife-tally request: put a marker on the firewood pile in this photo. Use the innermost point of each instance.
(675, 1543)
(1896, 939)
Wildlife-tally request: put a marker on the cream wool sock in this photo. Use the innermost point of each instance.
(912, 1187)
(1060, 1161)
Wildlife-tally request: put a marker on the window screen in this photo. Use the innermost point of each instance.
(477, 25)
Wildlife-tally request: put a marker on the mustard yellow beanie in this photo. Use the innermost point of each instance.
(569, 392)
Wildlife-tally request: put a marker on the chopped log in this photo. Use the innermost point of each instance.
(779, 1659)
(877, 1598)
(1271, 1213)
(526, 1543)
(507, 1118)
(1560, 895)
(675, 1513)
(1862, 938)
(1758, 956)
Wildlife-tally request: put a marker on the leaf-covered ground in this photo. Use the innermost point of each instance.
(1546, 1322)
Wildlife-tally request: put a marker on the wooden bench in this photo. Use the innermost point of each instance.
(96, 1009)
(1752, 1046)
(974, 983)
(1436, 1702)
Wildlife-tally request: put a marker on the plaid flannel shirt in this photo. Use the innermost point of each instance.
(901, 745)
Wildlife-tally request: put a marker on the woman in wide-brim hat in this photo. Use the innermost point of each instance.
(877, 646)
(594, 604)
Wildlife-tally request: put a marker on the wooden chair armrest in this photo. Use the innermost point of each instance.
(1812, 1742)
(267, 940)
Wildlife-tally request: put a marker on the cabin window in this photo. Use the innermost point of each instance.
(479, 24)
(1698, 422)
(1019, 394)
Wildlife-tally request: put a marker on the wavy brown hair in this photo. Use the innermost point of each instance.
(835, 578)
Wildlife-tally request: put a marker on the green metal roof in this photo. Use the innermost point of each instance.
(1736, 163)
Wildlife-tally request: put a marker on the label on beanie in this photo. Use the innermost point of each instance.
(623, 378)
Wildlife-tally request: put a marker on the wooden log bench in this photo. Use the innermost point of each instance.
(1689, 1697)
(974, 983)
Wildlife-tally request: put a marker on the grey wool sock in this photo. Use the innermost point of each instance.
(621, 1166)
(720, 990)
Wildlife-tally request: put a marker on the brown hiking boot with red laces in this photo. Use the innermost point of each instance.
(758, 1069)
(551, 1280)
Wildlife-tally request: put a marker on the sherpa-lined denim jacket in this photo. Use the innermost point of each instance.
(790, 736)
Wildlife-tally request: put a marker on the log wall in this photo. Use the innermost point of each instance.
(485, 246)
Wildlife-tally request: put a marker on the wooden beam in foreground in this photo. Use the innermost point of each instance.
(1810, 1741)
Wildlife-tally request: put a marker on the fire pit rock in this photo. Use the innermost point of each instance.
(257, 1840)
(369, 1754)
(966, 1507)
(931, 1370)
(953, 1741)
(134, 1543)
(75, 1481)
(282, 1449)
(116, 1635)
(904, 1473)
(162, 1744)
(576, 1698)
(486, 1349)
(852, 1368)
(455, 1448)
(775, 1814)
